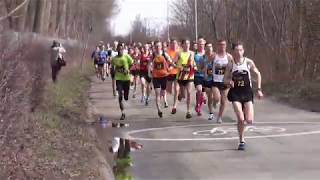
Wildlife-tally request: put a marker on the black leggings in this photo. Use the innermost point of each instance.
(55, 71)
(123, 91)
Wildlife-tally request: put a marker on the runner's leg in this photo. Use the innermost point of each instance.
(223, 102)
(104, 70)
(189, 91)
(169, 86)
(216, 96)
(143, 88)
(249, 112)
(163, 91)
(157, 92)
(199, 99)
(210, 99)
(237, 106)
(176, 91)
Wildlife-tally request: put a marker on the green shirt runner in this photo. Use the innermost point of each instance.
(122, 65)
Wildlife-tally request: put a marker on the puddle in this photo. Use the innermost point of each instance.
(121, 149)
(105, 123)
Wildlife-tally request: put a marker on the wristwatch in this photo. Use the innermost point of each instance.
(259, 89)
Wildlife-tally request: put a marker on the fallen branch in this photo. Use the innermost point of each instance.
(14, 10)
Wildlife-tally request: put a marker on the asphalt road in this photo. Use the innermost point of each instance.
(282, 144)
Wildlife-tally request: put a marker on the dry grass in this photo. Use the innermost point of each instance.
(42, 131)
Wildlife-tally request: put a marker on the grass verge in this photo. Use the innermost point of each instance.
(66, 150)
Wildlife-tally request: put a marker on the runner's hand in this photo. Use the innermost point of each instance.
(231, 84)
(260, 94)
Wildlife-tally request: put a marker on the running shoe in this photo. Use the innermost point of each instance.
(142, 99)
(197, 108)
(174, 111)
(242, 146)
(188, 116)
(219, 120)
(166, 105)
(211, 117)
(134, 95)
(123, 116)
(147, 101)
(204, 100)
(124, 125)
(114, 93)
(160, 114)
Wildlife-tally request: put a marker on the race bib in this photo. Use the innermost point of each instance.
(241, 79)
(159, 66)
(121, 70)
(186, 68)
(220, 70)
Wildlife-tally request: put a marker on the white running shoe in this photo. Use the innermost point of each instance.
(211, 117)
(142, 99)
(219, 120)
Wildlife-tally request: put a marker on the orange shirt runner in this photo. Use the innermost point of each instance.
(160, 67)
(173, 55)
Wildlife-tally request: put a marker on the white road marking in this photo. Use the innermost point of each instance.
(130, 133)
(218, 131)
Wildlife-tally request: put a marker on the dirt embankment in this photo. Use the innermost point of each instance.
(42, 131)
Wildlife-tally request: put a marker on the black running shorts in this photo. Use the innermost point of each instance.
(220, 85)
(172, 77)
(160, 83)
(145, 75)
(123, 87)
(240, 95)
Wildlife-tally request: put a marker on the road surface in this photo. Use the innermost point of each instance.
(282, 144)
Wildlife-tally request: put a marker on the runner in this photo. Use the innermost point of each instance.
(194, 46)
(241, 94)
(159, 68)
(199, 76)
(145, 79)
(208, 76)
(173, 51)
(102, 61)
(134, 70)
(220, 91)
(186, 68)
(95, 58)
(113, 53)
(122, 63)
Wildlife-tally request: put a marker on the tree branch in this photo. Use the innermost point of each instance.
(14, 10)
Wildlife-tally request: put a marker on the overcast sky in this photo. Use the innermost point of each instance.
(154, 10)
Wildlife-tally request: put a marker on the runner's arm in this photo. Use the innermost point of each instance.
(205, 70)
(254, 69)
(193, 62)
(168, 58)
(228, 75)
(150, 65)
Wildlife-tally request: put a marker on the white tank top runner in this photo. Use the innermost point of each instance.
(220, 64)
(244, 67)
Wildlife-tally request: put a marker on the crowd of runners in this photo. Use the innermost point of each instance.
(206, 69)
